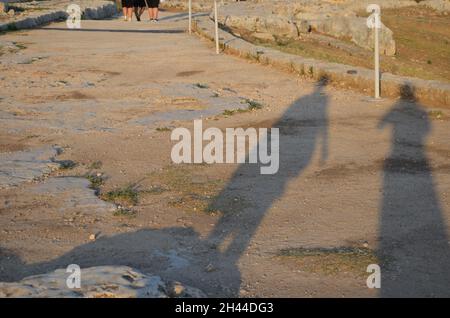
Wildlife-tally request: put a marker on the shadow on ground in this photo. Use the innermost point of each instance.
(412, 229)
(413, 237)
(154, 251)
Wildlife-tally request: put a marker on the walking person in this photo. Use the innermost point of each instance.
(139, 8)
(127, 7)
(153, 10)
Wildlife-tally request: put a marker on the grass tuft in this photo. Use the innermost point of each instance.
(127, 195)
(331, 261)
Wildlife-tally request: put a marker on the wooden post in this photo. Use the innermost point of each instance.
(216, 24)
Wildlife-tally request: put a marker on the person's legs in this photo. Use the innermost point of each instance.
(155, 13)
(127, 8)
(153, 9)
(150, 14)
(124, 10)
(130, 13)
(138, 11)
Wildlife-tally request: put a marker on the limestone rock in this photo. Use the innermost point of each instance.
(24, 166)
(273, 25)
(288, 19)
(98, 282)
(357, 31)
(77, 194)
(55, 12)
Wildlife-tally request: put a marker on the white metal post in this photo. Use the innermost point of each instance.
(190, 16)
(216, 23)
(377, 56)
(374, 22)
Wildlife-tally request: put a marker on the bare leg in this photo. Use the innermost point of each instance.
(155, 13)
(124, 10)
(150, 17)
(130, 14)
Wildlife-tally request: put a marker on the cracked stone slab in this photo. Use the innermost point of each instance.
(26, 166)
(99, 282)
(76, 193)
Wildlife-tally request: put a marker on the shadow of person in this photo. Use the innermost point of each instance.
(413, 240)
(179, 253)
(302, 128)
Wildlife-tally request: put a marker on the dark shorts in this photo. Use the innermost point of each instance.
(140, 3)
(127, 3)
(153, 3)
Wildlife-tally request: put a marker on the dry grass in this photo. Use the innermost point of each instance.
(421, 34)
(196, 188)
(330, 261)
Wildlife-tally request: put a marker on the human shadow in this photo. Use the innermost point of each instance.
(303, 130)
(179, 253)
(414, 245)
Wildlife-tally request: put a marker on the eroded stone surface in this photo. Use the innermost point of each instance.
(76, 194)
(99, 282)
(25, 166)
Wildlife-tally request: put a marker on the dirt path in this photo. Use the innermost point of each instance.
(369, 180)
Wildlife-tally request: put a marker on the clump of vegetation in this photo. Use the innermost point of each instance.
(125, 196)
(95, 180)
(253, 105)
(163, 129)
(124, 212)
(231, 112)
(331, 261)
(195, 192)
(436, 114)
